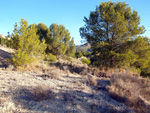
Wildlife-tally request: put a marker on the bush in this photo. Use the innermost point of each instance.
(69, 59)
(131, 90)
(28, 46)
(37, 93)
(85, 61)
(51, 57)
(58, 64)
(3, 41)
(78, 54)
(20, 58)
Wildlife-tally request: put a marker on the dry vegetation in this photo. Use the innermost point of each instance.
(134, 91)
(41, 92)
(37, 93)
(70, 86)
(30, 92)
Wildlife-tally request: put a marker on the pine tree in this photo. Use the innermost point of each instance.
(15, 37)
(141, 47)
(108, 29)
(42, 31)
(27, 44)
(58, 40)
(72, 48)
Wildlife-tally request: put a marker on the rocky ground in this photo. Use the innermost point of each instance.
(70, 93)
(54, 92)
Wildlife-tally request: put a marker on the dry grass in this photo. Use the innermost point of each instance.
(46, 71)
(51, 75)
(35, 66)
(90, 80)
(38, 93)
(134, 91)
(30, 93)
(23, 97)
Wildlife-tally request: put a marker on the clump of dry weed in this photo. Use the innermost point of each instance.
(90, 80)
(38, 93)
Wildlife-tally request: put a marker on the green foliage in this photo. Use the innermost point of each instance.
(112, 30)
(85, 61)
(86, 53)
(71, 49)
(15, 37)
(2, 41)
(5, 41)
(42, 31)
(50, 57)
(69, 59)
(141, 47)
(134, 53)
(58, 64)
(125, 59)
(78, 54)
(27, 44)
(58, 39)
(20, 58)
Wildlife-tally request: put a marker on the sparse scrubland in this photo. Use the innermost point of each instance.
(132, 90)
(41, 70)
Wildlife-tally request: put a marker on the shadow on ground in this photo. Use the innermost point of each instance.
(3, 58)
(39, 99)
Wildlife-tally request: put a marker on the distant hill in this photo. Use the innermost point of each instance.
(85, 47)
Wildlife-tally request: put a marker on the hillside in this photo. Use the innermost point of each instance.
(54, 91)
(46, 72)
(84, 47)
(5, 53)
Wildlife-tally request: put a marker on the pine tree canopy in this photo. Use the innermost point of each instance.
(113, 23)
(58, 39)
(114, 30)
(27, 43)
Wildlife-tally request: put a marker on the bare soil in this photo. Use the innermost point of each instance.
(28, 92)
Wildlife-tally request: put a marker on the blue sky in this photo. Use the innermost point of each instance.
(69, 13)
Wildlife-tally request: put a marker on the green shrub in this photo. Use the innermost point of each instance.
(50, 57)
(85, 61)
(3, 41)
(78, 54)
(58, 64)
(29, 48)
(20, 58)
(69, 59)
